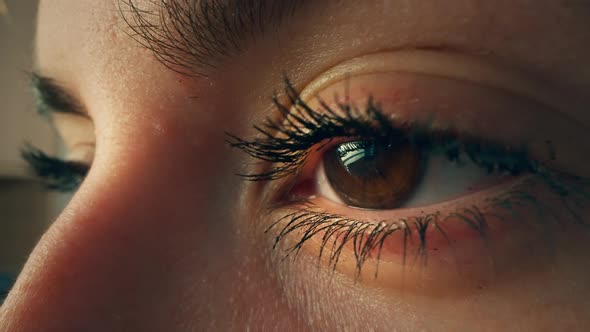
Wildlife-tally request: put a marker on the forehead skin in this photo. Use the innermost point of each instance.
(161, 219)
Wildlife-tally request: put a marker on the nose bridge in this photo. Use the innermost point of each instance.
(114, 253)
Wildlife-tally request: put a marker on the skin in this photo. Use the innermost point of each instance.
(162, 236)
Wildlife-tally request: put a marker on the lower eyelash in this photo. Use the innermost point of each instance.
(59, 175)
(366, 238)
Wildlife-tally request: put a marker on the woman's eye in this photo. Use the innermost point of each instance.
(372, 174)
(74, 127)
(360, 181)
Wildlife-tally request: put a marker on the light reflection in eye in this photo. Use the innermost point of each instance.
(372, 174)
(352, 152)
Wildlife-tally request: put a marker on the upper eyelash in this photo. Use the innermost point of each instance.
(287, 142)
(59, 175)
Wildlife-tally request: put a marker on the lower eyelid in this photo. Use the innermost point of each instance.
(465, 243)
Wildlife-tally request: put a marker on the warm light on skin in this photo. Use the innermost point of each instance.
(163, 236)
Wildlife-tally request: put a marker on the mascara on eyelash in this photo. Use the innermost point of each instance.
(57, 174)
(287, 142)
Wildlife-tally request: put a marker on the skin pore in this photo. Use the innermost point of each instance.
(164, 236)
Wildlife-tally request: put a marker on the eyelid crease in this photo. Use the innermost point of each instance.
(451, 64)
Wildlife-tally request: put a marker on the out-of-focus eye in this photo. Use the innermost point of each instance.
(65, 175)
(372, 174)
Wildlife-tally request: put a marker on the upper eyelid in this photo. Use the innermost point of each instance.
(286, 146)
(51, 96)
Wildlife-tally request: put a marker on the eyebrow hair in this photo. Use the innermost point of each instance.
(193, 36)
(50, 97)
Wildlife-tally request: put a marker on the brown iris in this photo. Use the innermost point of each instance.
(373, 175)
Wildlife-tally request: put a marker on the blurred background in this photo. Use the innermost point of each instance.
(26, 208)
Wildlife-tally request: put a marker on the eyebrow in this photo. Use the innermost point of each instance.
(50, 97)
(192, 36)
